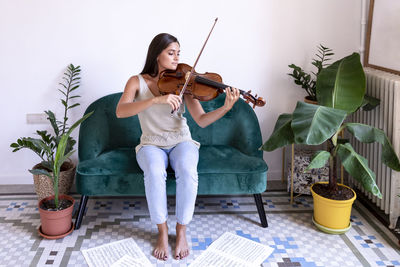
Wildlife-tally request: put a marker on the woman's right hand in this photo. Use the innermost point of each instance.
(173, 100)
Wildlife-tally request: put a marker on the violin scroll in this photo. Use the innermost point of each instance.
(259, 102)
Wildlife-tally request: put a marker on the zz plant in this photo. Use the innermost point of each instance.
(54, 149)
(340, 91)
(46, 145)
(305, 80)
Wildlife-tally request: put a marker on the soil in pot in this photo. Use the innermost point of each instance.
(308, 99)
(342, 193)
(64, 167)
(51, 205)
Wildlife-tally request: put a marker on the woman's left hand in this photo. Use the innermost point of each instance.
(232, 95)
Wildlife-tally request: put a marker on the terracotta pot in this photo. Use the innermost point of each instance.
(56, 223)
(44, 185)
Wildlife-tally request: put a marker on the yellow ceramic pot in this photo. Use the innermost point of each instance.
(332, 216)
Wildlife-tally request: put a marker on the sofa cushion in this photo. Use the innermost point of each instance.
(114, 162)
(226, 159)
(214, 159)
(116, 172)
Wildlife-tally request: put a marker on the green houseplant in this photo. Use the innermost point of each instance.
(304, 79)
(56, 211)
(45, 146)
(55, 151)
(340, 91)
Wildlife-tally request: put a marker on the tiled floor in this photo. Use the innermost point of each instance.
(295, 240)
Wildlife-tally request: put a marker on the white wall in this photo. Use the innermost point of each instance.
(251, 46)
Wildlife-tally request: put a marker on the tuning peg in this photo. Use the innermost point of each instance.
(254, 106)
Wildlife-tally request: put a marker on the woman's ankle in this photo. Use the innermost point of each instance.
(162, 227)
(180, 227)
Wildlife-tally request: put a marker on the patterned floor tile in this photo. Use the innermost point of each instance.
(295, 239)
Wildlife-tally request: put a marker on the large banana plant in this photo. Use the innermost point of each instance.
(340, 92)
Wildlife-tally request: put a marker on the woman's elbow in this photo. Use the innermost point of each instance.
(202, 124)
(118, 113)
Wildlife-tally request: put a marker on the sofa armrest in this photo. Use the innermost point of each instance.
(93, 133)
(248, 141)
(245, 129)
(239, 128)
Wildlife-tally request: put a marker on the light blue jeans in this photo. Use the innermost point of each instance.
(183, 159)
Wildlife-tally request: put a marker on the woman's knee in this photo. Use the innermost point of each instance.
(155, 174)
(186, 174)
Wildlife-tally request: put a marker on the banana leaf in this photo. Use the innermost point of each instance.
(368, 134)
(313, 124)
(282, 134)
(342, 84)
(318, 160)
(357, 166)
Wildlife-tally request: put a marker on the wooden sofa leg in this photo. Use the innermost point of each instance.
(81, 211)
(261, 211)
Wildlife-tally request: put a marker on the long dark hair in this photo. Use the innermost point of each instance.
(157, 45)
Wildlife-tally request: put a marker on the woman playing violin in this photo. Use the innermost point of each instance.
(166, 140)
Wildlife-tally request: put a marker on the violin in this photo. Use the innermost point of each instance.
(204, 87)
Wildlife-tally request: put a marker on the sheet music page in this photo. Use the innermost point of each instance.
(108, 254)
(214, 258)
(233, 250)
(128, 261)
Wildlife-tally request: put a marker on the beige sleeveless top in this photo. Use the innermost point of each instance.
(159, 128)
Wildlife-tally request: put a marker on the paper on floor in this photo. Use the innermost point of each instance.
(113, 253)
(128, 261)
(231, 250)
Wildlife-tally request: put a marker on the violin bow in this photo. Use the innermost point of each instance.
(188, 77)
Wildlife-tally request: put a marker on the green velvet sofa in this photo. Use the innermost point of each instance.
(230, 160)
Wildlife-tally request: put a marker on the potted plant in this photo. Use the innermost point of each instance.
(45, 146)
(56, 211)
(340, 92)
(305, 80)
(55, 150)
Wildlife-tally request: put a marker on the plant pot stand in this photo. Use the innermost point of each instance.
(55, 236)
(331, 230)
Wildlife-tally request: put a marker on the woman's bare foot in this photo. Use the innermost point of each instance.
(182, 247)
(161, 249)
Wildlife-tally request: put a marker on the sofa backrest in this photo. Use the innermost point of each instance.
(103, 131)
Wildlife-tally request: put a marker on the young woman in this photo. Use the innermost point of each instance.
(166, 140)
